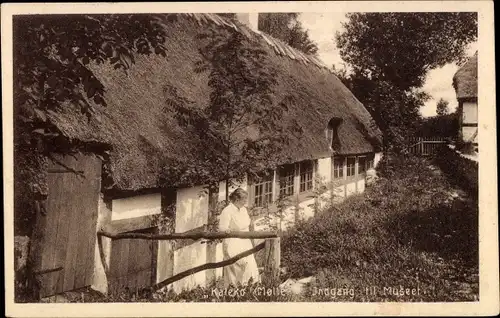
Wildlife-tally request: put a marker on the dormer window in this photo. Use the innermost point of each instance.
(332, 133)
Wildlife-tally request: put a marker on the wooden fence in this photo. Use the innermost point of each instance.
(425, 146)
(269, 241)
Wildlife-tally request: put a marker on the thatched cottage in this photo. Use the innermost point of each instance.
(465, 84)
(121, 191)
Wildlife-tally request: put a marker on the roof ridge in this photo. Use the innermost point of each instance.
(280, 47)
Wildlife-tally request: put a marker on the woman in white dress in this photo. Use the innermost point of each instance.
(235, 217)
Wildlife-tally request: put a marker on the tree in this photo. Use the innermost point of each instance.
(390, 54)
(52, 58)
(242, 124)
(288, 28)
(403, 47)
(442, 107)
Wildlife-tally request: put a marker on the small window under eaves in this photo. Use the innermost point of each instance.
(333, 133)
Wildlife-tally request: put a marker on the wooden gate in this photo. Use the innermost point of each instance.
(425, 146)
(65, 233)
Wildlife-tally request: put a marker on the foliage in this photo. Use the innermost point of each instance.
(462, 171)
(53, 55)
(442, 126)
(241, 123)
(407, 238)
(288, 28)
(385, 77)
(466, 147)
(442, 107)
(253, 292)
(378, 45)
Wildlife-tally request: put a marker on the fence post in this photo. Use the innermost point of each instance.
(213, 197)
(272, 265)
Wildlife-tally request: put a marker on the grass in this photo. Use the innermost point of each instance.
(407, 231)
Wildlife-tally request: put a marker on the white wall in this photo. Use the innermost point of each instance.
(468, 132)
(469, 112)
(325, 168)
(99, 281)
(191, 208)
(136, 206)
(191, 212)
(163, 257)
(351, 188)
(307, 208)
(361, 186)
(377, 158)
(339, 193)
(187, 258)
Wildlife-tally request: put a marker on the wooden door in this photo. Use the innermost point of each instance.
(132, 263)
(66, 233)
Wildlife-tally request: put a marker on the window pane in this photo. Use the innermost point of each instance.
(263, 190)
(306, 176)
(361, 164)
(286, 176)
(351, 166)
(338, 167)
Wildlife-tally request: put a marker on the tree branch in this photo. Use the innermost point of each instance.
(206, 266)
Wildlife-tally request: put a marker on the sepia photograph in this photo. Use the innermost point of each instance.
(249, 154)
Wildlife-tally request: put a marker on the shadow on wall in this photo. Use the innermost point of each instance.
(192, 208)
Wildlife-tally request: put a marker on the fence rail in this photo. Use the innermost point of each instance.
(425, 146)
(271, 244)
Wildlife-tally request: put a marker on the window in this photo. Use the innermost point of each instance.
(286, 177)
(332, 132)
(263, 191)
(351, 166)
(306, 176)
(370, 162)
(361, 165)
(329, 136)
(338, 167)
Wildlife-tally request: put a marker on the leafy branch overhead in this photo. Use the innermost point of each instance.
(53, 55)
(241, 130)
(288, 28)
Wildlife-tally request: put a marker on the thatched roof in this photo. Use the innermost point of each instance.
(144, 136)
(465, 79)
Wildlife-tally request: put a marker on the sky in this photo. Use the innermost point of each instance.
(322, 28)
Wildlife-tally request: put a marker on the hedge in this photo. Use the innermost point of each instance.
(461, 171)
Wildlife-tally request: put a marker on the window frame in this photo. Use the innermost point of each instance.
(293, 184)
(266, 180)
(290, 183)
(358, 172)
(340, 170)
(308, 183)
(353, 167)
(370, 163)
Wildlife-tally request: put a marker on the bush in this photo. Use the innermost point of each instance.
(350, 232)
(461, 171)
(399, 233)
(466, 147)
